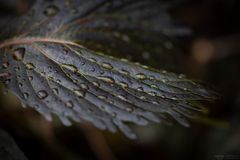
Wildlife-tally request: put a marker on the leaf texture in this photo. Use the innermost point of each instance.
(56, 65)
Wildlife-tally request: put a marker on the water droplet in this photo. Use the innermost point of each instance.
(154, 86)
(69, 104)
(30, 66)
(143, 97)
(18, 54)
(51, 10)
(84, 86)
(17, 69)
(102, 97)
(164, 71)
(42, 94)
(106, 79)
(181, 76)
(96, 84)
(140, 89)
(25, 95)
(5, 65)
(93, 60)
(123, 84)
(107, 66)
(141, 76)
(20, 84)
(55, 90)
(152, 93)
(30, 78)
(152, 78)
(122, 97)
(164, 80)
(129, 109)
(123, 71)
(79, 93)
(70, 67)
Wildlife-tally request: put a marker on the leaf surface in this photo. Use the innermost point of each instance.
(56, 64)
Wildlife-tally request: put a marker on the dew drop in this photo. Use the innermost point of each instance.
(20, 84)
(123, 71)
(106, 79)
(51, 10)
(55, 90)
(79, 93)
(5, 65)
(154, 86)
(69, 104)
(107, 66)
(141, 76)
(143, 97)
(42, 94)
(129, 109)
(122, 97)
(25, 95)
(96, 84)
(84, 86)
(123, 84)
(30, 66)
(102, 97)
(18, 54)
(30, 78)
(140, 89)
(70, 67)
(152, 93)
(93, 60)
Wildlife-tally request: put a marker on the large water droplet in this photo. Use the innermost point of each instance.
(18, 54)
(42, 94)
(51, 10)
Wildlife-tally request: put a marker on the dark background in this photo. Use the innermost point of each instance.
(211, 54)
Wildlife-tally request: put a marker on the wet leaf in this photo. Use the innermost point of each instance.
(54, 69)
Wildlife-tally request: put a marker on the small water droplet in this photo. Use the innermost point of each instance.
(140, 89)
(51, 10)
(70, 67)
(152, 93)
(181, 76)
(143, 97)
(107, 66)
(141, 76)
(106, 79)
(79, 93)
(96, 84)
(84, 86)
(5, 65)
(18, 54)
(122, 97)
(164, 80)
(69, 104)
(55, 90)
(20, 84)
(154, 86)
(30, 78)
(93, 60)
(123, 71)
(102, 97)
(129, 109)
(30, 66)
(25, 95)
(42, 94)
(123, 84)
(152, 78)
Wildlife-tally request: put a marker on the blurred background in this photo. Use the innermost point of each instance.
(211, 54)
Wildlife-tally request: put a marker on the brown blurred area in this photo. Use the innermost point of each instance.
(211, 54)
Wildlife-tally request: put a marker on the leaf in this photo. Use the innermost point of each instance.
(53, 71)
